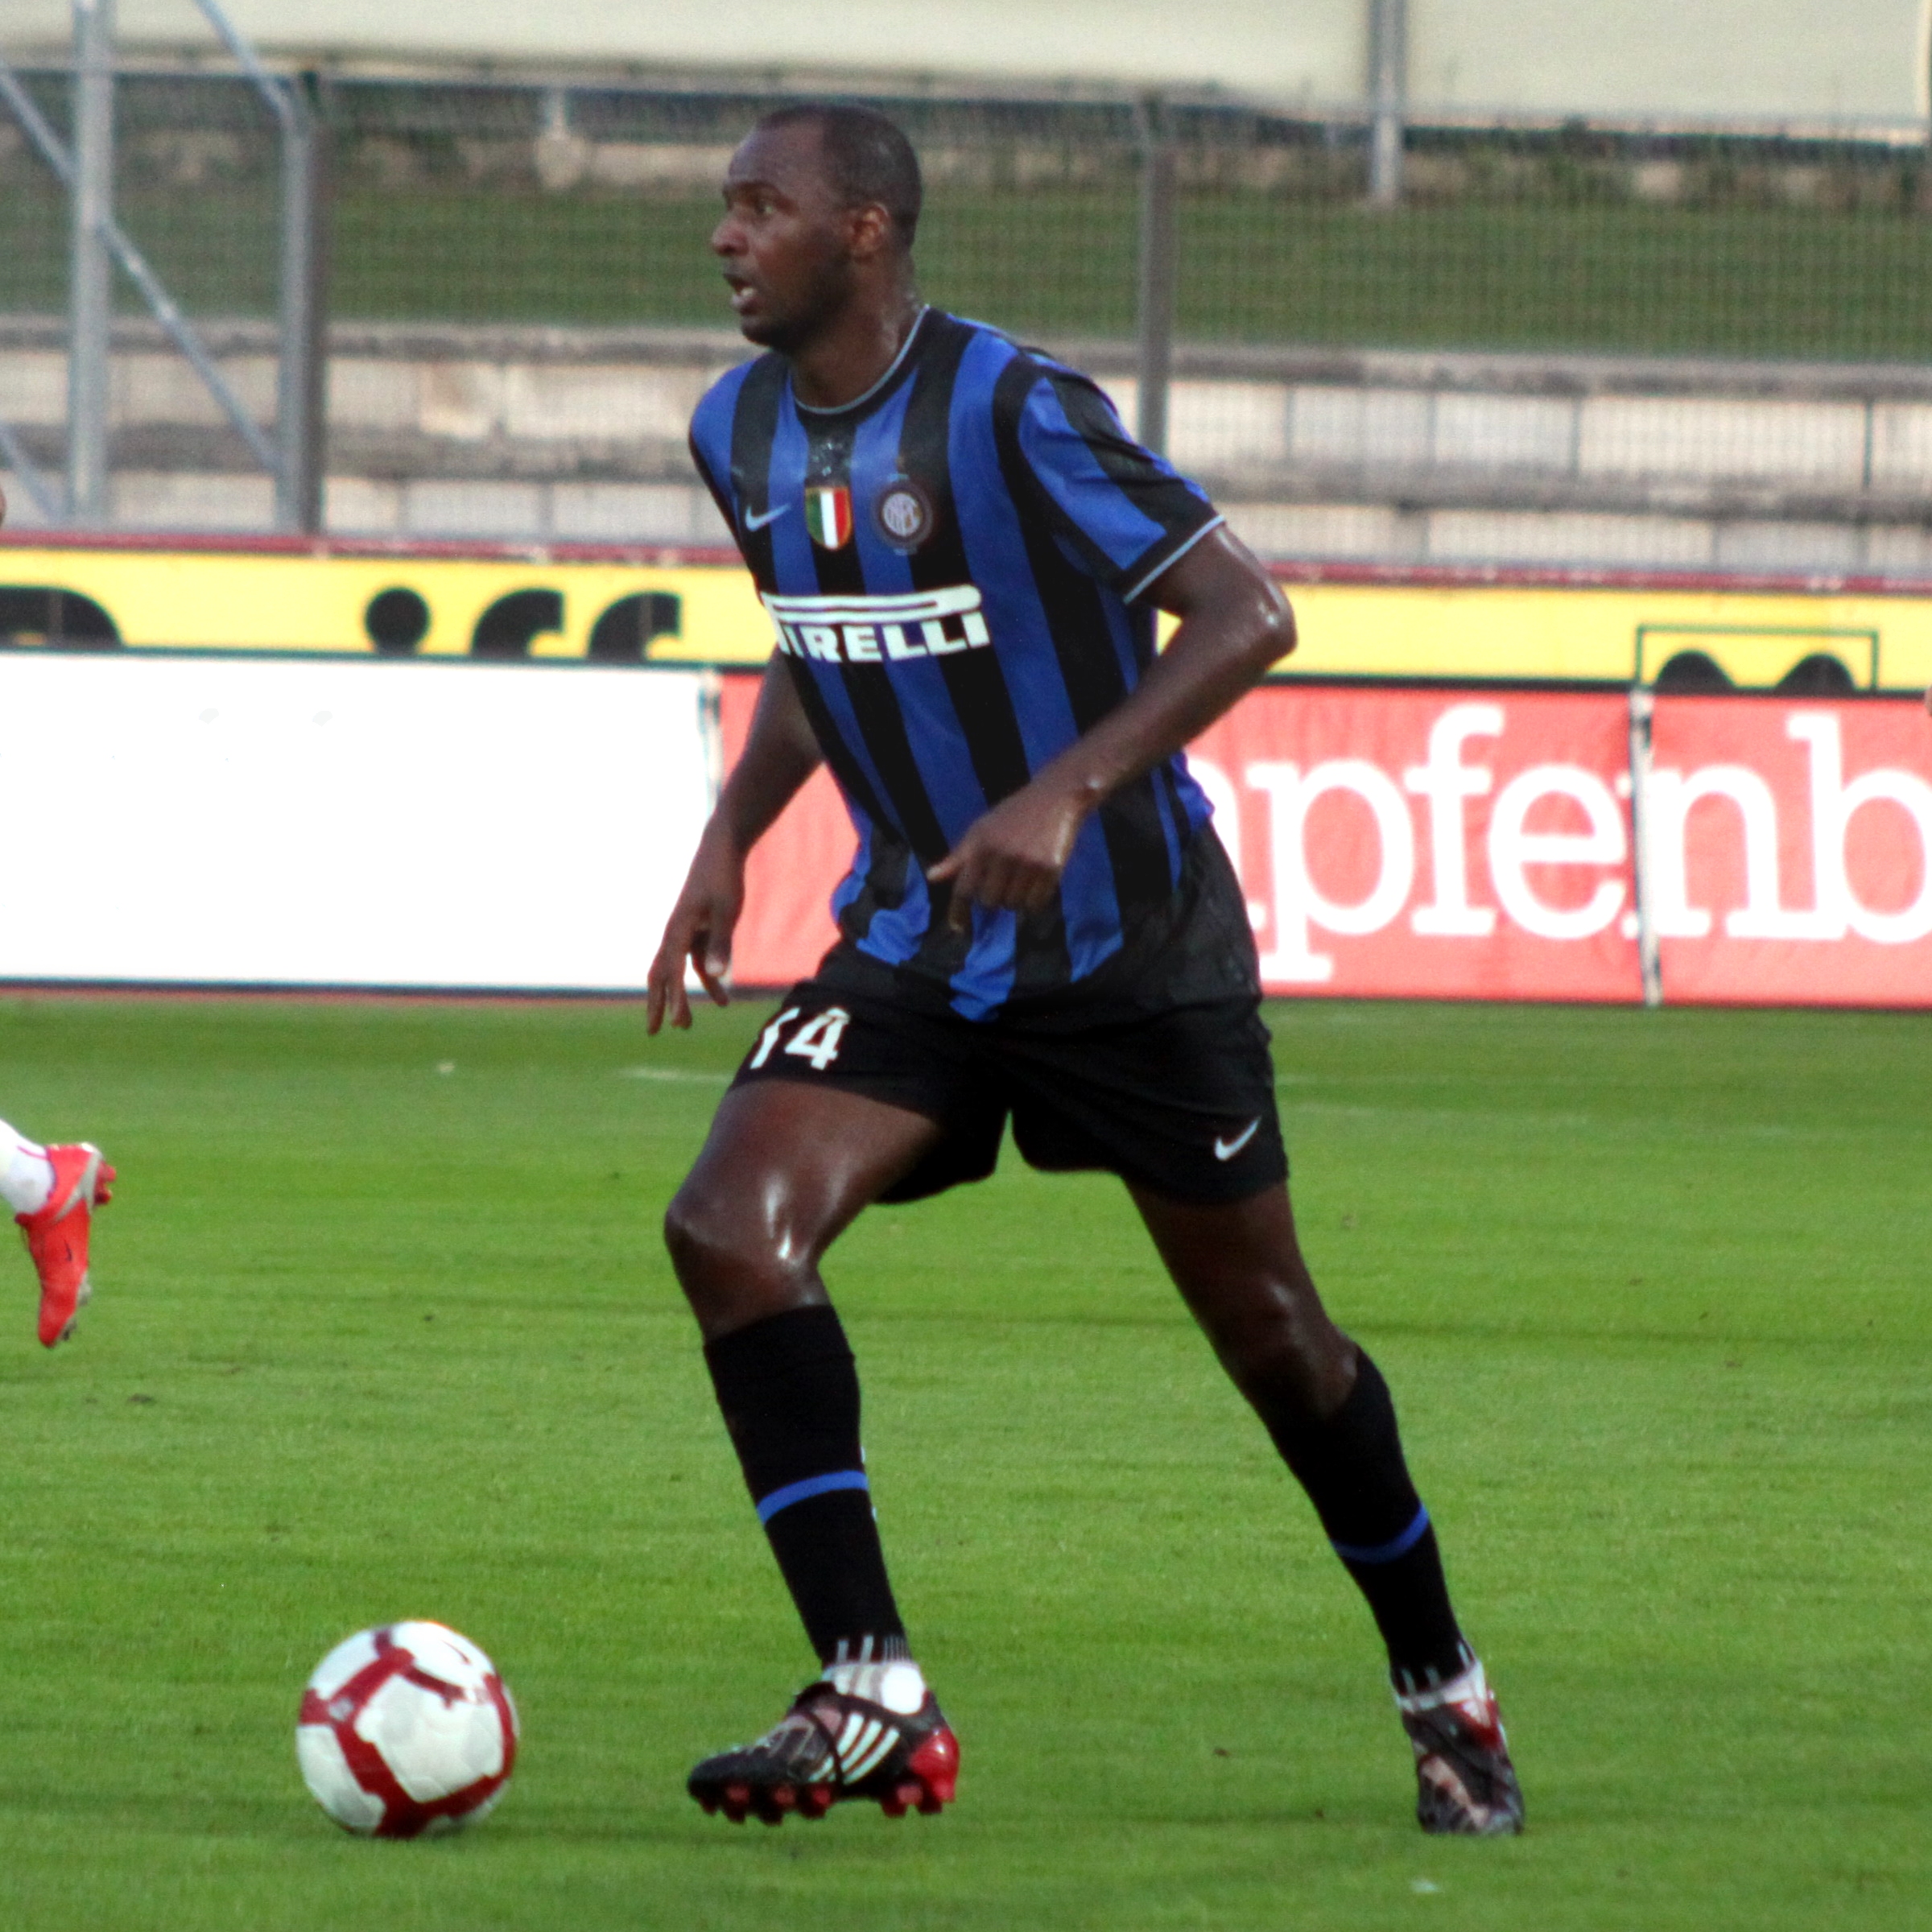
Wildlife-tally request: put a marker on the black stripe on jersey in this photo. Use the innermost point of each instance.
(869, 689)
(887, 874)
(845, 768)
(1183, 827)
(1130, 820)
(829, 459)
(752, 422)
(974, 680)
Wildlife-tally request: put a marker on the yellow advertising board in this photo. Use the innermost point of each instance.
(668, 606)
(499, 602)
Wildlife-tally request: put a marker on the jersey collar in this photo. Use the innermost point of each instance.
(878, 388)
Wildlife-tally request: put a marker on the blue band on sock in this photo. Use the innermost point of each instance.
(1381, 1553)
(768, 1506)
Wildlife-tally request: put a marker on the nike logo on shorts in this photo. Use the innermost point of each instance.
(1226, 1151)
(770, 516)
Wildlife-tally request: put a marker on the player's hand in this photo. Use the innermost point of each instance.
(1011, 858)
(699, 930)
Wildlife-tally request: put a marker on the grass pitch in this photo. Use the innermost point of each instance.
(384, 1330)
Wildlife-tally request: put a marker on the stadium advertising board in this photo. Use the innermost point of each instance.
(594, 603)
(1788, 851)
(235, 821)
(1481, 845)
(326, 821)
(608, 604)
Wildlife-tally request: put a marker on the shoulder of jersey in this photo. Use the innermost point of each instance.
(734, 378)
(1047, 367)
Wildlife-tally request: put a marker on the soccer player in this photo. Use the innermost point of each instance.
(53, 1192)
(962, 552)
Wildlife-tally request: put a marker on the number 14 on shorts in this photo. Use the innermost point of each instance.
(817, 1040)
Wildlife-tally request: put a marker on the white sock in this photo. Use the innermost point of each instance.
(27, 1175)
(899, 1685)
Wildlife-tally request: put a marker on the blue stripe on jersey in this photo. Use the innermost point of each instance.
(996, 560)
(1094, 502)
(853, 883)
(933, 729)
(711, 432)
(1168, 828)
(1200, 808)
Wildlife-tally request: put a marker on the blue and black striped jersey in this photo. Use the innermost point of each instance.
(954, 565)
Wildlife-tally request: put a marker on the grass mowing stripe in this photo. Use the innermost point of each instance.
(374, 1341)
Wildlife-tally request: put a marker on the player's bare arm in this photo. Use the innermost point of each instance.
(780, 754)
(1235, 623)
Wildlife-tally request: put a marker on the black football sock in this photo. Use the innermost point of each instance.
(1351, 1466)
(790, 1394)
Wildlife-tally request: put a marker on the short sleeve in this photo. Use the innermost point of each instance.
(1127, 512)
(719, 495)
(711, 428)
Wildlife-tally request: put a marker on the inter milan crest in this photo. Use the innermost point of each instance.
(904, 513)
(828, 515)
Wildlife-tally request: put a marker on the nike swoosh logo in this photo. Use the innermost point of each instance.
(1226, 1151)
(770, 516)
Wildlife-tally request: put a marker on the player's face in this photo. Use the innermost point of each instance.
(785, 241)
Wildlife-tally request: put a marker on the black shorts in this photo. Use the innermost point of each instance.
(1179, 1100)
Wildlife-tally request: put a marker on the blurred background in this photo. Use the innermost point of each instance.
(1642, 284)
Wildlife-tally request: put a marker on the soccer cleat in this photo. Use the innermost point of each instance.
(1465, 1784)
(56, 1236)
(889, 1744)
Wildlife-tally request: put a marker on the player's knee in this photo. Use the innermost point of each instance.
(700, 1239)
(718, 1251)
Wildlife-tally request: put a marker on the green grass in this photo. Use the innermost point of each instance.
(1518, 274)
(373, 1340)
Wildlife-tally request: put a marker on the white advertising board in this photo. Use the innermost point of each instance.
(260, 822)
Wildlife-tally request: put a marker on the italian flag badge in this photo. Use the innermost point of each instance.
(828, 515)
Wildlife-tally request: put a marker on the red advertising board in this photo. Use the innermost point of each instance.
(1478, 845)
(1430, 844)
(787, 923)
(1788, 850)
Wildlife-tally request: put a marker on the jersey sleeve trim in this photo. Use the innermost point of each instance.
(1127, 512)
(1163, 564)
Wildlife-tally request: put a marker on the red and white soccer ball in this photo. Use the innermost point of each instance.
(405, 1732)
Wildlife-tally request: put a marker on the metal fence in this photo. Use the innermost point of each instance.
(587, 208)
(591, 205)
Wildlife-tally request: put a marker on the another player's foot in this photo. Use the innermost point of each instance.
(57, 1236)
(868, 1730)
(1465, 1783)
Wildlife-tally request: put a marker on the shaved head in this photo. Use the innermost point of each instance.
(869, 162)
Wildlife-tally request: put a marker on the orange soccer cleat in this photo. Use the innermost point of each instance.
(56, 1235)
